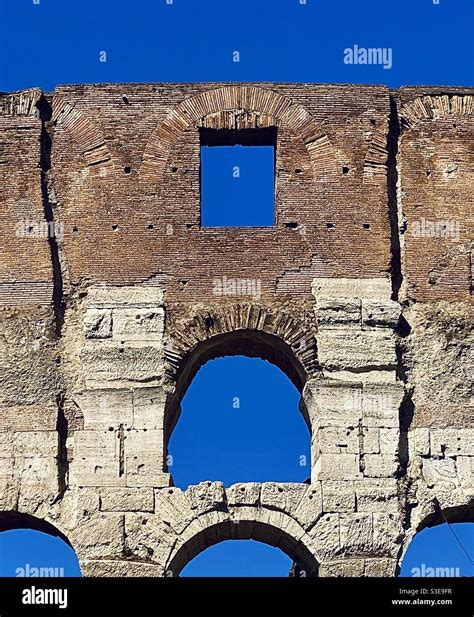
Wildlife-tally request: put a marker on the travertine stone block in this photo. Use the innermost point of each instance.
(138, 324)
(206, 496)
(283, 495)
(326, 535)
(98, 324)
(337, 439)
(338, 496)
(370, 440)
(144, 459)
(247, 494)
(380, 314)
(422, 441)
(106, 363)
(107, 408)
(336, 313)
(379, 495)
(347, 350)
(380, 465)
(377, 288)
(127, 500)
(356, 533)
(97, 459)
(148, 408)
(452, 442)
(110, 297)
(381, 403)
(101, 536)
(337, 467)
(309, 509)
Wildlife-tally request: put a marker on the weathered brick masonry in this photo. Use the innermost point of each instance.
(366, 280)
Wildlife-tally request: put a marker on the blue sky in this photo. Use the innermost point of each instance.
(58, 42)
(246, 177)
(240, 422)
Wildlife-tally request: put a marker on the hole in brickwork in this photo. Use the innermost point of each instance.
(291, 225)
(345, 170)
(115, 227)
(127, 170)
(330, 225)
(237, 177)
(366, 225)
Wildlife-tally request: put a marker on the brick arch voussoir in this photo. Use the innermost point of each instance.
(297, 332)
(435, 107)
(87, 135)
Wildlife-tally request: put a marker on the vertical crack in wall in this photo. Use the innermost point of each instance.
(361, 447)
(121, 438)
(45, 112)
(63, 463)
(392, 192)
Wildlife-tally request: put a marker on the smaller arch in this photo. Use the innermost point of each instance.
(86, 134)
(435, 107)
(375, 162)
(22, 103)
(35, 547)
(246, 529)
(461, 513)
(457, 513)
(11, 520)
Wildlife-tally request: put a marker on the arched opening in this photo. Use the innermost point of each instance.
(300, 559)
(443, 550)
(239, 558)
(241, 416)
(443, 545)
(31, 547)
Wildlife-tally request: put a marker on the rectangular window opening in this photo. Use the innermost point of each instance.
(238, 177)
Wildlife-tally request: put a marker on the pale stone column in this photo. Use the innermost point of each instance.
(354, 410)
(118, 454)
